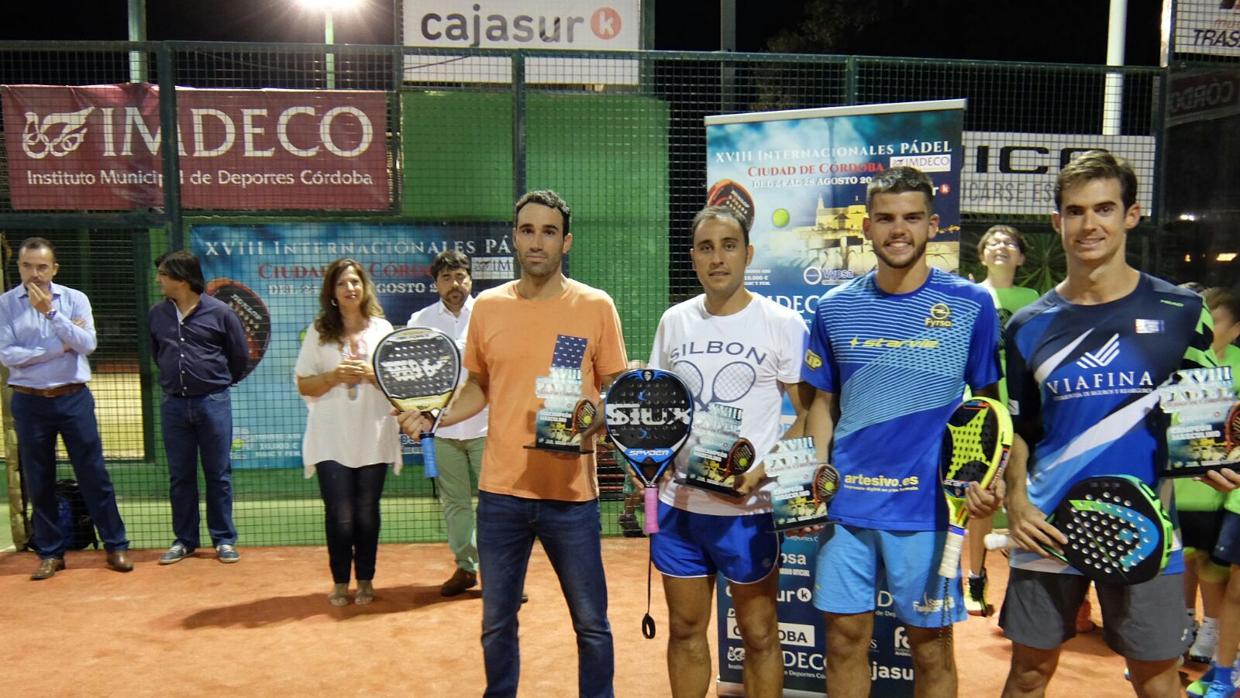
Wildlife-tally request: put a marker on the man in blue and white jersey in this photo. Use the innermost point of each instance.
(1084, 363)
(890, 355)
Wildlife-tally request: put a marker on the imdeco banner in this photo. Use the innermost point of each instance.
(98, 147)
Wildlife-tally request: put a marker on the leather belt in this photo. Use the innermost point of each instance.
(59, 390)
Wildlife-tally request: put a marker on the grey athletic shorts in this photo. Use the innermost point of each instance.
(1145, 622)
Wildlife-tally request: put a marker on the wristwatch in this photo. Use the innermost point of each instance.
(51, 314)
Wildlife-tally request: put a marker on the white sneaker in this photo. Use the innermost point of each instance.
(1207, 638)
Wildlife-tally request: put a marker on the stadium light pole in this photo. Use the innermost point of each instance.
(329, 8)
(1113, 96)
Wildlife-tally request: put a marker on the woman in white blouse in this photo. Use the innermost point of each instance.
(351, 438)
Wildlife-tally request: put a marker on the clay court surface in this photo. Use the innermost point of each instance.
(263, 628)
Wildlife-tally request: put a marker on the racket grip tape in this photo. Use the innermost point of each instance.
(949, 568)
(429, 467)
(652, 510)
(996, 541)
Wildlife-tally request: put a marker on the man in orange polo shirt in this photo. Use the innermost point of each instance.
(524, 493)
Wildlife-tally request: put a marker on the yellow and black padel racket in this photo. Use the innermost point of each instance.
(975, 449)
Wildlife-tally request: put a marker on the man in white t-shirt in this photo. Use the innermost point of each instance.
(739, 349)
(458, 448)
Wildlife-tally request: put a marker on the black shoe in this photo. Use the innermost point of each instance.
(629, 526)
(48, 566)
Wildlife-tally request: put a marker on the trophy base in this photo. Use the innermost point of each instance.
(710, 486)
(574, 449)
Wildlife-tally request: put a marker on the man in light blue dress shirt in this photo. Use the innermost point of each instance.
(46, 333)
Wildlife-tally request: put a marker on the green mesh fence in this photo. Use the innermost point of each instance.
(436, 145)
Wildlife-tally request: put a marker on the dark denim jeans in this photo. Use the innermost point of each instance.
(351, 506)
(38, 420)
(194, 426)
(570, 535)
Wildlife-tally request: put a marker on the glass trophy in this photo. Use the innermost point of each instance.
(566, 412)
(720, 453)
(803, 485)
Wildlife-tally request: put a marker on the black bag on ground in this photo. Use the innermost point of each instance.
(74, 518)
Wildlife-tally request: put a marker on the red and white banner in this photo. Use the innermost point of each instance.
(98, 147)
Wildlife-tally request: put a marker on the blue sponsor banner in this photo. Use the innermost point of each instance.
(801, 177)
(272, 274)
(802, 634)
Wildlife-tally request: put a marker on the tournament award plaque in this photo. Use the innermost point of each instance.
(1204, 427)
(566, 413)
(720, 453)
(803, 486)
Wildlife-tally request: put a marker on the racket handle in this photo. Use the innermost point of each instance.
(949, 568)
(997, 541)
(652, 510)
(429, 467)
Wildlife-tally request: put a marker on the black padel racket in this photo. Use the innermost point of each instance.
(648, 414)
(741, 457)
(253, 313)
(975, 449)
(1231, 429)
(732, 195)
(826, 484)
(417, 368)
(1117, 530)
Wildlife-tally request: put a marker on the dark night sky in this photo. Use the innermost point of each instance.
(1068, 31)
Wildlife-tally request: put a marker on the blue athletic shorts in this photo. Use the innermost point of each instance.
(1228, 547)
(744, 549)
(851, 561)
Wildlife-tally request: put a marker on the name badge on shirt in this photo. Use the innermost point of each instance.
(1149, 326)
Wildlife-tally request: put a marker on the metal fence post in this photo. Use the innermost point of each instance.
(168, 144)
(518, 125)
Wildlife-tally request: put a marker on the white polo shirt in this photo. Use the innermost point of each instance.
(439, 317)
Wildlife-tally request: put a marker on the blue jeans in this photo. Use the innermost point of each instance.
(38, 420)
(570, 535)
(194, 426)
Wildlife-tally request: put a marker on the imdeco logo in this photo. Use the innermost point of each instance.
(56, 134)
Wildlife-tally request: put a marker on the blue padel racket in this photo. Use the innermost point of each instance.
(648, 413)
(975, 449)
(417, 368)
(1117, 530)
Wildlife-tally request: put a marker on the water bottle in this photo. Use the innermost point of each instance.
(358, 353)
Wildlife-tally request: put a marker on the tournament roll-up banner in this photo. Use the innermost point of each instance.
(801, 177)
(271, 275)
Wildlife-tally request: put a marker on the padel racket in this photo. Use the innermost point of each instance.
(253, 313)
(417, 368)
(975, 449)
(1117, 530)
(826, 484)
(732, 195)
(741, 457)
(648, 414)
(1231, 428)
(583, 416)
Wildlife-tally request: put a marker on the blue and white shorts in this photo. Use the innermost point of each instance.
(744, 549)
(852, 561)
